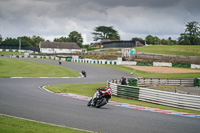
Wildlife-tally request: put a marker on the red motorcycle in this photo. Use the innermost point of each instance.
(101, 97)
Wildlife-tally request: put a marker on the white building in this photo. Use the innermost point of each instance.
(59, 47)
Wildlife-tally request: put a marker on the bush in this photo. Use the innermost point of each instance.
(144, 64)
(92, 48)
(181, 65)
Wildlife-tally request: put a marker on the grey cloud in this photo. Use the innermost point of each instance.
(130, 17)
(142, 3)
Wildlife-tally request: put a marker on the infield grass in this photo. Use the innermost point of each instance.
(10, 67)
(10, 53)
(16, 125)
(90, 88)
(185, 50)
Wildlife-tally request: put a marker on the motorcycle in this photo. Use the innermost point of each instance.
(101, 98)
(84, 73)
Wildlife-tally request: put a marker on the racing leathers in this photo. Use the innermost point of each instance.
(100, 93)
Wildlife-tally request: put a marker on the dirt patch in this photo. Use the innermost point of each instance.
(163, 69)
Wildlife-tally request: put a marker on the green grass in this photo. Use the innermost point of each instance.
(90, 89)
(15, 125)
(87, 89)
(10, 67)
(185, 50)
(9, 53)
(165, 75)
(144, 74)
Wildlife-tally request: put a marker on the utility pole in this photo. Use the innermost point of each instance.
(19, 45)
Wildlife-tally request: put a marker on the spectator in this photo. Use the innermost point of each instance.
(123, 81)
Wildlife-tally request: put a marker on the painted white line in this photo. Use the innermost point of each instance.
(43, 88)
(50, 77)
(44, 122)
(45, 77)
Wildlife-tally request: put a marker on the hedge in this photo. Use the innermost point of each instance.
(144, 64)
(181, 65)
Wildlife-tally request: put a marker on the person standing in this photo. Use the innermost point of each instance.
(123, 82)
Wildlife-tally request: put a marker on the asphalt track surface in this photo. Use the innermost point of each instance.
(24, 98)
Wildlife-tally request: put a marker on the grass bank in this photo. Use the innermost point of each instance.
(15, 125)
(185, 50)
(90, 89)
(10, 53)
(144, 74)
(10, 67)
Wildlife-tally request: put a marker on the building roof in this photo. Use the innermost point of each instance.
(141, 41)
(60, 45)
(117, 41)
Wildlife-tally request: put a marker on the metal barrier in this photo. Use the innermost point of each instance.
(143, 82)
(170, 99)
(170, 82)
(184, 101)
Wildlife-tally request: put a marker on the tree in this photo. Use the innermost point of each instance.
(61, 39)
(26, 41)
(33, 41)
(149, 39)
(76, 37)
(191, 36)
(1, 39)
(154, 40)
(164, 42)
(36, 40)
(10, 42)
(105, 32)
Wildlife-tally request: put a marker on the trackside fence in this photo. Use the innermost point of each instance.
(172, 99)
(169, 82)
(143, 82)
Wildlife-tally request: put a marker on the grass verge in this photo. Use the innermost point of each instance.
(144, 74)
(10, 53)
(90, 89)
(16, 125)
(10, 67)
(185, 50)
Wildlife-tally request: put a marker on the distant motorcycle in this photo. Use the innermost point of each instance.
(83, 73)
(60, 63)
(100, 98)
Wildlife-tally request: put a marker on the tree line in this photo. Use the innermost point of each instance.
(34, 41)
(191, 36)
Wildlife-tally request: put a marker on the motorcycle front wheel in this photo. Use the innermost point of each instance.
(101, 102)
(89, 103)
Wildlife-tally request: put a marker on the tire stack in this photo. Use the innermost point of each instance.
(197, 82)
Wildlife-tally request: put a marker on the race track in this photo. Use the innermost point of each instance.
(24, 98)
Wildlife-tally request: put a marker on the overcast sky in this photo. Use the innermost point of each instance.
(131, 18)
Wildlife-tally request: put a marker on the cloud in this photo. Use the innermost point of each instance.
(131, 18)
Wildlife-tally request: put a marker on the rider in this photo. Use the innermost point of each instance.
(104, 91)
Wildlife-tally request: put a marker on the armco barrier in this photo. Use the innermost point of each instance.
(184, 101)
(170, 99)
(141, 82)
(170, 82)
(197, 82)
(128, 91)
(114, 88)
